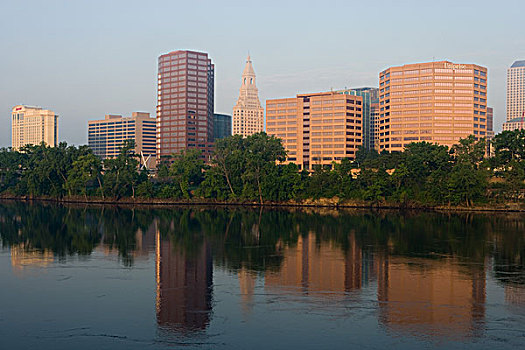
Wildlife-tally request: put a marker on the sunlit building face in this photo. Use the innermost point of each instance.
(438, 102)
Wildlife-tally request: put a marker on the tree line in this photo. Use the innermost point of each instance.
(252, 169)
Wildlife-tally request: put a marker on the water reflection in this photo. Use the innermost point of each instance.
(184, 285)
(427, 272)
(437, 297)
(311, 267)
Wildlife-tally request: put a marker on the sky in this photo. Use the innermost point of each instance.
(86, 59)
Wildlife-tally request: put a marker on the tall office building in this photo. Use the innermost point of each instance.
(515, 96)
(370, 98)
(185, 103)
(317, 128)
(374, 125)
(490, 119)
(222, 126)
(490, 131)
(248, 115)
(32, 126)
(106, 136)
(437, 102)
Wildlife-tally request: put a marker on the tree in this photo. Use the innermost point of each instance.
(261, 154)
(187, 171)
(466, 184)
(10, 168)
(343, 177)
(85, 170)
(509, 146)
(229, 160)
(469, 151)
(121, 176)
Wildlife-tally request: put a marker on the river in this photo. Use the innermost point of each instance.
(92, 277)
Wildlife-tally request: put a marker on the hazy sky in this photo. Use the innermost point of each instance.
(85, 59)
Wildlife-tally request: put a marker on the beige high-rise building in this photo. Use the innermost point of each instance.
(32, 126)
(248, 115)
(515, 97)
(317, 129)
(437, 102)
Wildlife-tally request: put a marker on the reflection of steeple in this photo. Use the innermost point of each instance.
(184, 282)
(247, 286)
(430, 297)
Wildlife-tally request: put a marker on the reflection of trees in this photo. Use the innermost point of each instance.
(253, 239)
(119, 227)
(509, 249)
(68, 230)
(48, 228)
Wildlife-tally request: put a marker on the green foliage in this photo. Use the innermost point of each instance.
(187, 171)
(85, 172)
(252, 169)
(466, 184)
(121, 176)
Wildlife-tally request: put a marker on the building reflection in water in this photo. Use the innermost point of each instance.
(184, 285)
(247, 281)
(312, 267)
(431, 297)
(426, 297)
(21, 258)
(515, 295)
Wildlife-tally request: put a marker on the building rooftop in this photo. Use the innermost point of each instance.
(515, 120)
(518, 64)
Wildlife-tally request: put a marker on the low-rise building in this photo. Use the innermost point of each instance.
(106, 136)
(222, 126)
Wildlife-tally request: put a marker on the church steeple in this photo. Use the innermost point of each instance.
(248, 115)
(248, 74)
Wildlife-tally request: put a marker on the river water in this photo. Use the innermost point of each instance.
(86, 277)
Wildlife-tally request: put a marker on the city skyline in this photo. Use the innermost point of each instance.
(82, 72)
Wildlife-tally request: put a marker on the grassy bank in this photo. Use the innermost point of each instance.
(307, 203)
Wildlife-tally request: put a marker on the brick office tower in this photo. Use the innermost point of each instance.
(437, 102)
(185, 96)
(318, 128)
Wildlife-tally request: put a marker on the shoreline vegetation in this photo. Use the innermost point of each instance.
(252, 172)
(332, 203)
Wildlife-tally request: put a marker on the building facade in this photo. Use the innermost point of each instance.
(106, 136)
(32, 126)
(222, 126)
(248, 115)
(490, 131)
(516, 90)
(374, 125)
(437, 102)
(185, 103)
(515, 96)
(370, 98)
(514, 124)
(318, 128)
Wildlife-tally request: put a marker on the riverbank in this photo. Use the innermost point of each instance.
(333, 203)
